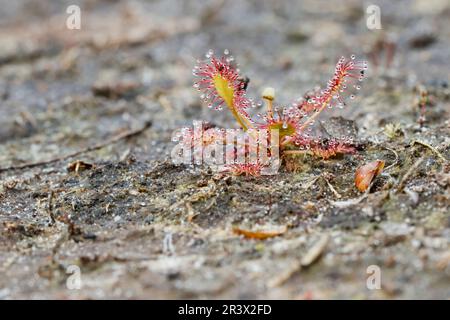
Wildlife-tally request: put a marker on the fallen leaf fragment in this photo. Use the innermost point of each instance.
(79, 165)
(349, 202)
(261, 235)
(365, 174)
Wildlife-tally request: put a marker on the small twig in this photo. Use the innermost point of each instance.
(332, 188)
(350, 202)
(94, 147)
(310, 183)
(431, 148)
(314, 180)
(414, 167)
(407, 175)
(353, 201)
(396, 158)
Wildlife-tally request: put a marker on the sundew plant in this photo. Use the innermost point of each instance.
(222, 87)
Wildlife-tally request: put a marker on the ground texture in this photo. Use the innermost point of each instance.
(108, 97)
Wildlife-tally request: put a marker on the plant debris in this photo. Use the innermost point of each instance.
(365, 174)
(260, 234)
(79, 165)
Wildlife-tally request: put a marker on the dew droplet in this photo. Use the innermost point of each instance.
(353, 57)
(226, 52)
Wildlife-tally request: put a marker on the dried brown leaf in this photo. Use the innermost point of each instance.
(365, 174)
(78, 166)
(261, 235)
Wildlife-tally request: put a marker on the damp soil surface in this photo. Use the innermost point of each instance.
(87, 185)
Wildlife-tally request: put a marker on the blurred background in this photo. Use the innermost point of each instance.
(142, 53)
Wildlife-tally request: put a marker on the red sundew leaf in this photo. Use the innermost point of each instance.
(248, 169)
(323, 148)
(260, 235)
(365, 174)
(221, 84)
(295, 119)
